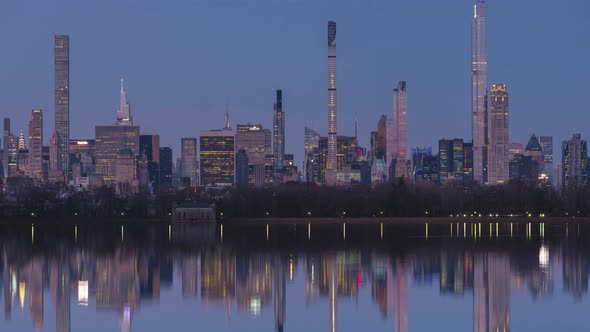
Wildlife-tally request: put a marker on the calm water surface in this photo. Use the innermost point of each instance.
(419, 277)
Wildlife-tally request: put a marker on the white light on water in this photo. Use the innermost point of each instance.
(544, 256)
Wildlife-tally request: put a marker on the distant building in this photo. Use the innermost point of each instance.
(311, 163)
(188, 155)
(242, 168)
(547, 148)
(425, 165)
(330, 174)
(124, 117)
(109, 141)
(190, 211)
(574, 163)
(125, 172)
(256, 142)
(278, 134)
(400, 121)
(166, 168)
(498, 172)
(62, 101)
(217, 156)
(5, 154)
(348, 153)
(379, 172)
(523, 167)
(381, 138)
(149, 146)
(514, 149)
(534, 150)
(450, 160)
(82, 157)
(36, 145)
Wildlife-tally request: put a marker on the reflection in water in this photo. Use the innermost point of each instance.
(252, 269)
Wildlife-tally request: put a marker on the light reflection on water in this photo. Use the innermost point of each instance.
(272, 277)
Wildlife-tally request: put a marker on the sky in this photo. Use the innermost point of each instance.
(185, 60)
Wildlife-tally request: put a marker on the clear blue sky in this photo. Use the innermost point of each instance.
(183, 60)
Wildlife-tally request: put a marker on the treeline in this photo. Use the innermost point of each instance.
(23, 197)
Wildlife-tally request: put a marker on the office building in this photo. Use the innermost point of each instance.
(278, 135)
(400, 121)
(242, 168)
(311, 163)
(166, 168)
(188, 155)
(62, 101)
(256, 142)
(574, 163)
(109, 141)
(382, 138)
(217, 156)
(451, 158)
(149, 147)
(36, 145)
(347, 154)
(5, 154)
(547, 148)
(498, 172)
(533, 149)
(125, 172)
(523, 167)
(479, 92)
(425, 165)
(331, 167)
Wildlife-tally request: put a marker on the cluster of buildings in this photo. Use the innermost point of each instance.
(253, 156)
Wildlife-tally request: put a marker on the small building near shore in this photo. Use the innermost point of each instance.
(194, 212)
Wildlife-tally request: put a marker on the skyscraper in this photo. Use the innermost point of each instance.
(110, 140)
(217, 156)
(498, 171)
(188, 155)
(574, 154)
(62, 101)
(124, 117)
(5, 154)
(547, 147)
(166, 168)
(36, 144)
(400, 121)
(278, 133)
(332, 136)
(149, 147)
(381, 137)
(256, 142)
(479, 92)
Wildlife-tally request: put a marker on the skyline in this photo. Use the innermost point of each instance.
(93, 96)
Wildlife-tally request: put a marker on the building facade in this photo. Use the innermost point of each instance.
(498, 172)
(109, 141)
(217, 156)
(256, 142)
(479, 92)
(331, 167)
(188, 155)
(36, 145)
(62, 101)
(278, 135)
(574, 163)
(400, 121)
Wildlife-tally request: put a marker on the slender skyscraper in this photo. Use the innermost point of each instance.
(278, 133)
(479, 92)
(5, 154)
(124, 114)
(400, 121)
(62, 101)
(499, 137)
(36, 144)
(332, 136)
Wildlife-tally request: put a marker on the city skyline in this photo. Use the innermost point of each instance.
(86, 110)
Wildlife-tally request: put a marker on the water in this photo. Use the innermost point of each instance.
(371, 277)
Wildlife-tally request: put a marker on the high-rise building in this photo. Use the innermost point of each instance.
(479, 92)
(5, 154)
(425, 165)
(574, 162)
(62, 101)
(381, 137)
(149, 148)
(331, 167)
(468, 162)
(534, 150)
(125, 171)
(514, 149)
(188, 155)
(124, 117)
(217, 156)
(242, 169)
(109, 141)
(547, 147)
(36, 144)
(400, 121)
(278, 133)
(498, 171)
(451, 159)
(256, 141)
(347, 155)
(166, 168)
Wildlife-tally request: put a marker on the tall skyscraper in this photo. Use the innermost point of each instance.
(188, 155)
(381, 137)
(499, 141)
(217, 156)
(331, 170)
(149, 147)
(255, 141)
(400, 121)
(110, 140)
(36, 144)
(166, 168)
(5, 154)
(278, 132)
(547, 147)
(124, 117)
(479, 92)
(574, 155)
(62, 101)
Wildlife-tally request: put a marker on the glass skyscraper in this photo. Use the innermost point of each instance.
(331, 167)
(498, 171)
(62, 101)
(479, 91)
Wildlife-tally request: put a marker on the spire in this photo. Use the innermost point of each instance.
(227, 126)
(124, 114)
(122, 89)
